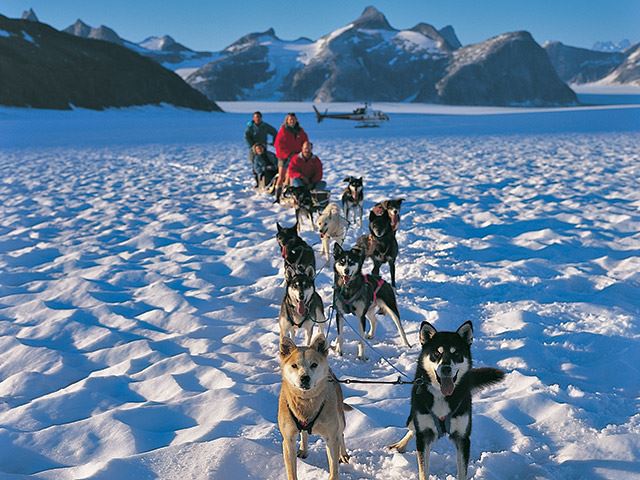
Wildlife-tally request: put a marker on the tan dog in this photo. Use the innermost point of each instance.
(332, 226)
(310, 402)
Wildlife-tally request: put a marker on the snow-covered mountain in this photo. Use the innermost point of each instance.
(369, 59)
(365, 59)
(164, 50)
(257, 65)
(505, 70)
(628, 72)
(609, 46)
(580, 65)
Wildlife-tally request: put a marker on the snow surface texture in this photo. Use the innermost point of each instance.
(140, 283)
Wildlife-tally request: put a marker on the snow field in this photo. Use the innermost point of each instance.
(140, 287)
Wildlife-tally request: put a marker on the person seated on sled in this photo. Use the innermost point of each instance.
(265, 165)
(305, 169)
(258, 131)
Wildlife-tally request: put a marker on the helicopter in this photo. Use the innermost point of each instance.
(365, 116)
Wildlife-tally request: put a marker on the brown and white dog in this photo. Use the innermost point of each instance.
(311, 402)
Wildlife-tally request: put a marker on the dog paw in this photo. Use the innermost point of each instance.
(344, 458)
(397, 447)
(369, 336)
(302, 454)
(362, 358)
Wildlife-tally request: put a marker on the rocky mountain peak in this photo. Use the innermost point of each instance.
(372, 18)
(30, 15)
(106, 34)
(79, 29)
(450, 36)
(250, 39)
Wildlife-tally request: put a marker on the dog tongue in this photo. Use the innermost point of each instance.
(394, 222)
(301, 308)
(446, 386)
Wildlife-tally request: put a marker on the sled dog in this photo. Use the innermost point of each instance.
(391, 208)
(310, 402)
(332, 226)
(441, 394)
(360, 295)
(353, 200)
(297, 253)
(300, 199)
(301, 306)
(380, 245)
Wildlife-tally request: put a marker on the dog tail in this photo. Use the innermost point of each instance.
(484, 377)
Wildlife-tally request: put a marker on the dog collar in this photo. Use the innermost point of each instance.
(305, 426)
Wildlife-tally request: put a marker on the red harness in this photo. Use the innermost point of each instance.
(378, 286)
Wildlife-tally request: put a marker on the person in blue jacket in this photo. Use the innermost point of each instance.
(258, 132)
(265, 165)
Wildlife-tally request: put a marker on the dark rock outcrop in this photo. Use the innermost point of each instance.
(510, 69)
(450, 35)
(30, 15)
(579, 65)
(43, 68)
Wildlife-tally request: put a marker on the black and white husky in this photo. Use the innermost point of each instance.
(298, 255)
(441, 394)
(380, 245)
(300, 199)
(301, 307)
(353, 200)
(360, 295)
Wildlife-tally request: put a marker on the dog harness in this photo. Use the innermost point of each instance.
(349, 302)
(306, 316)
(443, 424)
(305, 426)
(378, 286)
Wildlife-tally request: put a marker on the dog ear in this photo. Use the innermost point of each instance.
(279, 227)
(337, 250)
(360, 179)
(466, 332)
(287, 347)
(400, 200)
(427, 331)
(320, 344)
(309, 271)
(347, 179)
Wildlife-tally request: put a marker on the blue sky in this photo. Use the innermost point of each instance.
(212, 25)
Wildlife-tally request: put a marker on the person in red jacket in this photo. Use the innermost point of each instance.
(305, 169)
(288, 142)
